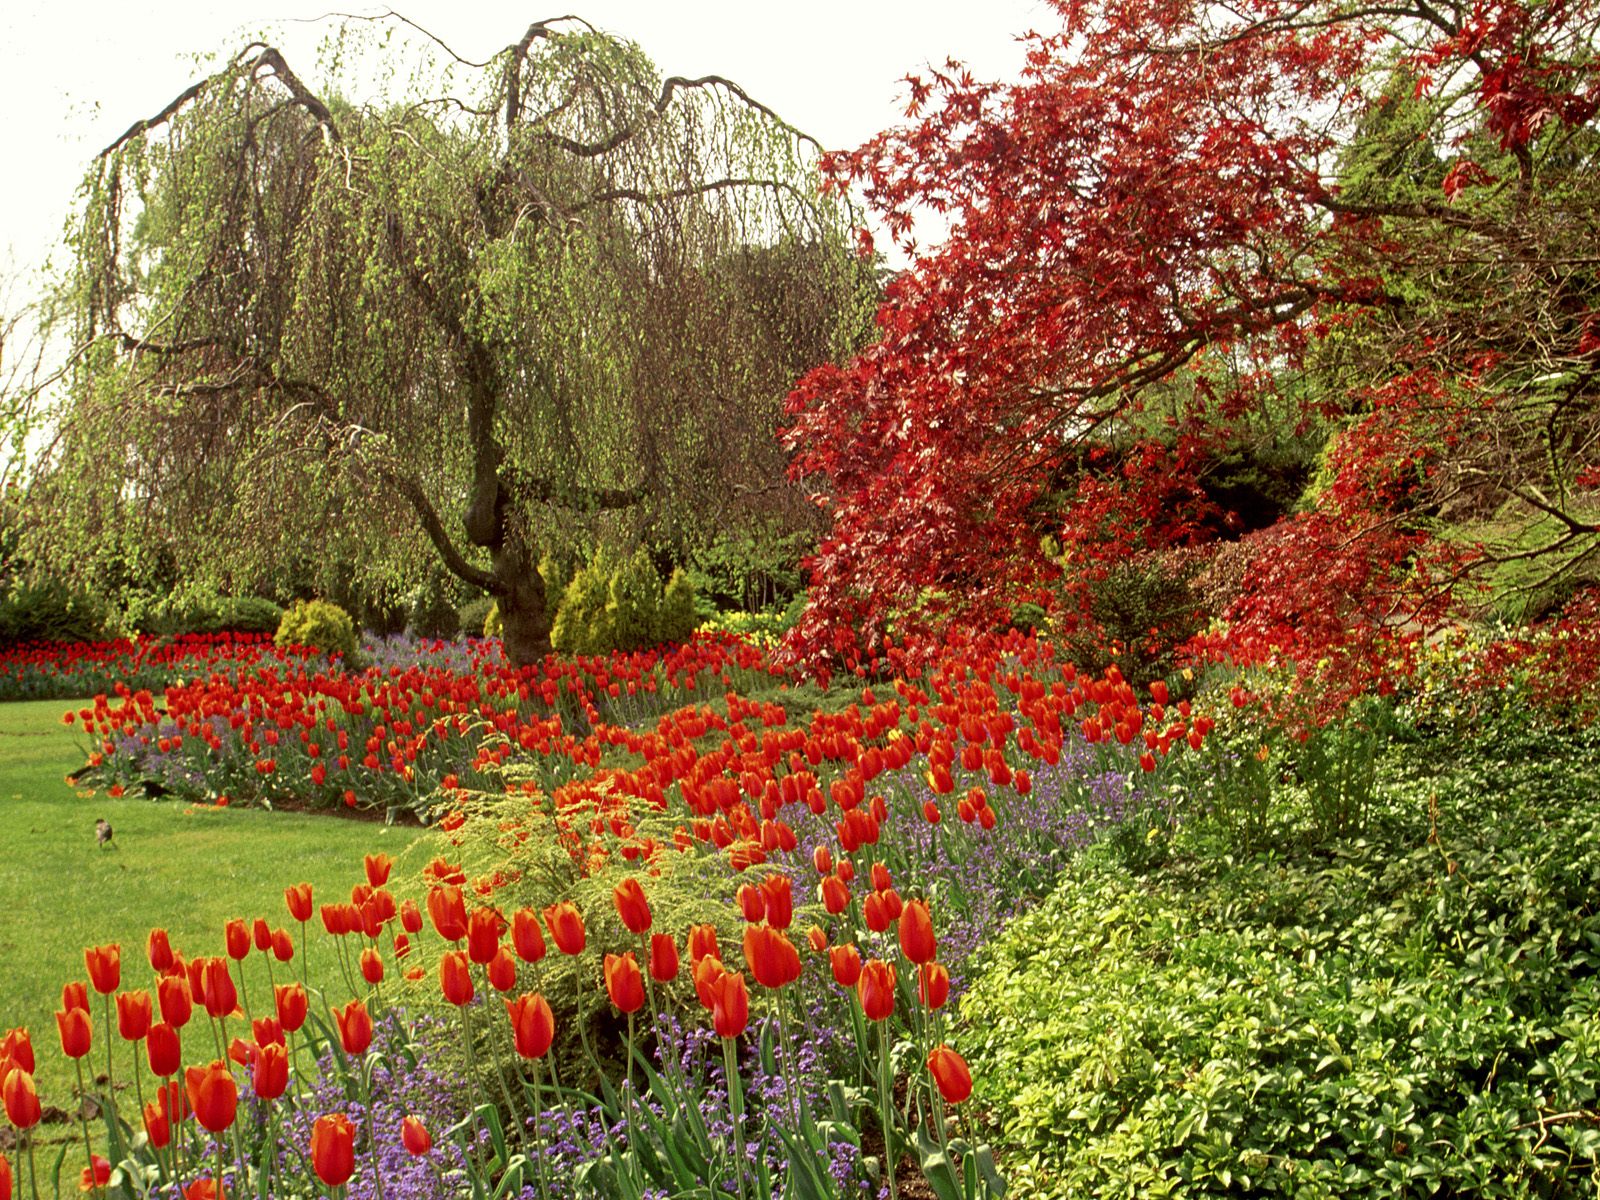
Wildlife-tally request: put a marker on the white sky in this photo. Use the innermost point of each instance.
(75, 73)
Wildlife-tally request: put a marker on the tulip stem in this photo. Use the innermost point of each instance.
(730, 1069)
(494, 1057)
(33, 1169)
(83, 1121)
(138, 1076)
(886, 1105)
(364, 1074)
(221, 1165)
(111, 1086)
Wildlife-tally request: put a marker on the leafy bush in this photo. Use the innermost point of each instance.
(319, 624)
(474, 615)
(493, 625)
(50, 612)
(1134, 615)
(633, 609)
(174, 617)
(582, 625)
(763, 628)
(679, 614)
(433, 613)
(626, 608)
(1414, 1013)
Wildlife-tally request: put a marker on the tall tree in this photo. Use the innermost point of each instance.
(1376, 219)
(462, 318)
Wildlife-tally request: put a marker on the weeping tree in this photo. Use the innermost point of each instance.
(481, 313)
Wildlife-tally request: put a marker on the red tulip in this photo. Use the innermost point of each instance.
(875, 912)
(410, 917)
(73, 1024)
(159, 951)
(377, 866)
(21, 1098)
(291, 1005)
(663, 958)
(204, 1189)
(533, 1026)
(164, 1050)
(298, 898)
(817, 937)
(526, 935)
(916, 932)
(778, 895)
(133, 1015)
(355, 1026)
(282, 945)
(875, 989)
(5, 1178)
(333, 1154)
(624, 984)
(835, 895)
(632, 906)
(455, 978)
(172, 992)
(566, 927)
(371, 966)
(503, 970)
(752, 903)
(219, 994)
(703, 942)
(213, 1095)
(951, 1073)
(267, 1031)
(881, 879)
(822, 860)
(237, 936)
(16, 1048)
(933, 985)
(484, 927)
(156, 1126)
(846, 963)
(271, 1071)
(730, 1010)
(105, 967)
(772, 957)
(414, 1136)
(96, 1175)
(448, 910)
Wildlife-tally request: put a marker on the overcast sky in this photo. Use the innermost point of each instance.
(75, 73)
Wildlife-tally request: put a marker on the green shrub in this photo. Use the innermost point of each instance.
(763, 628)
(493, 626)
(474, 615)
(1409, 1014)
(433, 613)
(1139, 612)
(678, 609)
(319, 624)
(50, 612)
(582, 625)
(207, 614)
(633, 607)
(623, 608)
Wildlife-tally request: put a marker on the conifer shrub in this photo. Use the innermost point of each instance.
(320, 625)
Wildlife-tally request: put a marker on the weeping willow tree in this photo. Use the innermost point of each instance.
(502, 302)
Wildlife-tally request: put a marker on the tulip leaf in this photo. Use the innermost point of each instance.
(937, 1167)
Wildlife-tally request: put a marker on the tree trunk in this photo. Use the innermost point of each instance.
(526, 618)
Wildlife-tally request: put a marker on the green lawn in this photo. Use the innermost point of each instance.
(183, 868)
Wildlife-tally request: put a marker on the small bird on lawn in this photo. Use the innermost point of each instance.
(102, 832)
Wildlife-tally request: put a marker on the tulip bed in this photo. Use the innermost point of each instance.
(683, 946)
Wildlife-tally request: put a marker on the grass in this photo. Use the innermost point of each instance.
(183, 868)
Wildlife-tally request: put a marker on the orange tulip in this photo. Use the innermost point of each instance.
(176, 1003)
(371, 966)
(298, 898)
(455, 978)
(703, 942)
(835, 895)
(778, 895)
(5, 1178)
(933, 985)
(73, 1024)
(219, 994)
(817, 938)
(133, 1015)
(410, 917)
(632, 906)
(16, 1050)
(156, 1126)
(204, 1189)
(267, 1031)
(213, 1096)
(291, 1005)
(414, 1136)
(484, 927)
(751, 903)
(566, 927)
(846, 963)
(916, 932)
(159, 951)
(96, 1175)
(447, 908)
(236, 934)
(502, 970)
(706, 972)
(21, 1098)
(272, 1071)
(333, 1154)
(526, 935)
(730, 1010)
(624, 984)
(261, 935)
(875, 989)
(105, 967)
(951, 1073)
(875, 912)
(663, 958)
(772, 957)
(164, 1050)
(533, 1026)
(355, 1026)
(377, 866)
(282, 945)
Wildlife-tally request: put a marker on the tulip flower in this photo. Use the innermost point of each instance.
(730, 1009)
(447, 908)
(624, 983)
(875, 912)
(133, 1015)
(875, 989)
(663, 958)
(916, 932)
(835, 895)
(16, 1048)
(933, 985)
(377, 867)
(21, 1098)
(104, 964)
(213, 1096)
(333, 1154)
(355, 1026)
(164, 1049)
(772, 957)
(410, 917)
(632, 906)
(414, 1136)
(271, 1076)
(237, 936)
(96, 1175)
(159, 951)
(533, 1025)
(219, 995)
(291, 1005)
(882, 881)
(822, 860)
(204, 1189)
(483, 935)
(502, 970)
(298, 898)
(526, 936)
(371, 966)
(951, 1073)
(703, 943)
(566, 927)
(817, 938)
(75, 1030)
(5, 1178)
(846, 963)
(156, 1125)
(751, 903)
(172, 992)
(455, 978)
(778, 896)
(267, 1031)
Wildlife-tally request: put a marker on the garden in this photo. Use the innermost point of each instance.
(1131, 732)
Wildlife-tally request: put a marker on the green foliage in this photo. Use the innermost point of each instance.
(473, 616)
(633, 605)
(319, 624)
(50, 611)
(679, 612)
(493, 624)
(1412, 1013)
(755, 568)
(581, 625)
(1139, 611)
(763, 628)
(207, 614)
(433, 613)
